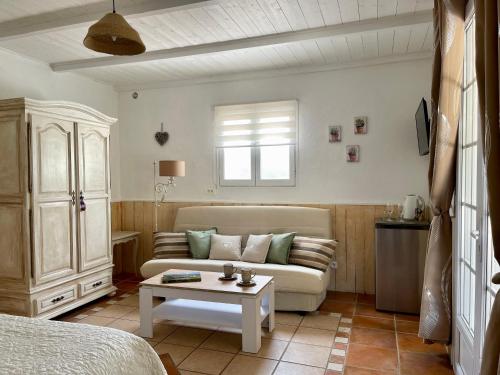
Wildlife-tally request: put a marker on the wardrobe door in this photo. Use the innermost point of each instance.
(94, 196)
(53, 189)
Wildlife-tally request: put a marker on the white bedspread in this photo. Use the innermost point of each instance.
(35, 346)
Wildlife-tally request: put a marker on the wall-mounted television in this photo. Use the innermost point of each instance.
(423, 127)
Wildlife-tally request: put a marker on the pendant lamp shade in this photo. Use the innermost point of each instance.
(112, 34)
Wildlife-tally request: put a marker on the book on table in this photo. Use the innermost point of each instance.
(184, 277)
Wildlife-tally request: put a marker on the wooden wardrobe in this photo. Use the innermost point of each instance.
(55, 218)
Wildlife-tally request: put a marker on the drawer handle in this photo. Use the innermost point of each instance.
(57, 299)
(95, 285)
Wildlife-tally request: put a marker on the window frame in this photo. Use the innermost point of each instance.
(275, 182)
(234, 183)
(256, 180)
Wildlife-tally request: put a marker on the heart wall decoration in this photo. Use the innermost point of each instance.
(161, 136)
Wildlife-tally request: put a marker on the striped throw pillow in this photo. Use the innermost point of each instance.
(310, 252)
(170, 245)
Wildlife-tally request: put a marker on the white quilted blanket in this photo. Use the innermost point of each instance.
(34, 346)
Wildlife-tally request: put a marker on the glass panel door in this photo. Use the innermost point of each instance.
(474, 264)
(468, 264)
(468, 190)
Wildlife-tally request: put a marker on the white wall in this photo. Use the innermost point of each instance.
(390, 165)
(22, 77)
(388, 94)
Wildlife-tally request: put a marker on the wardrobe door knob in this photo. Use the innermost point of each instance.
(83, 206)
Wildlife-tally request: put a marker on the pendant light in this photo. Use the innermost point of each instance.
(112, 34)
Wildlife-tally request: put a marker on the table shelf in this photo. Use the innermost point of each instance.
(204, 313)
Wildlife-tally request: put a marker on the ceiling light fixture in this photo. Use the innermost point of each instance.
(113, 35)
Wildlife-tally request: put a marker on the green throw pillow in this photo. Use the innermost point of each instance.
(199, 242)
(280, 248)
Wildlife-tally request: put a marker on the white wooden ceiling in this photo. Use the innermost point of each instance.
(14, 9)
(223, 20)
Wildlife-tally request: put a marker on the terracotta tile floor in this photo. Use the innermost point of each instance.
(346, 336)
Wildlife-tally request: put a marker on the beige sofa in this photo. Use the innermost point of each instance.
(297, 288)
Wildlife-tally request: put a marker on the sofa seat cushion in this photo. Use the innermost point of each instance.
(287, 278)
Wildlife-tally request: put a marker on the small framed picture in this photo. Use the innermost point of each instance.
(334, 134)
(360, 125)
(352, 153)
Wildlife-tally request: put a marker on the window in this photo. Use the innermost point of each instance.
(473, 253)
(256, 143)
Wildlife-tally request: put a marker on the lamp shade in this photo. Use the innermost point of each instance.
(172, 168)
(112, 34)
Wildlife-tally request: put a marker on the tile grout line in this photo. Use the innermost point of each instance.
(333, 344)
(393, 318)
(280, 360)
(349, 339)
(398, 369)
(232, 359)
(287, 345)
(87, 311)
(198, 347)
(226, 366)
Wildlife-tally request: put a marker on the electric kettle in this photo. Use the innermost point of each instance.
(413, 207)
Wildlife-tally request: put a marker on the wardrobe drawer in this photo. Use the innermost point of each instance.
(93, 284)
(56, 298)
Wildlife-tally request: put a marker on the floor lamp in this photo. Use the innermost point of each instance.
(170, 169)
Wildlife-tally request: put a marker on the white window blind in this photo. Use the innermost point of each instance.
(258, 124)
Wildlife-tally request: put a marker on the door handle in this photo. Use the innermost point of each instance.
(83, 206)
(475, 234)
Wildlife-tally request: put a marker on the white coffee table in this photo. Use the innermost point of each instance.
(211, 302)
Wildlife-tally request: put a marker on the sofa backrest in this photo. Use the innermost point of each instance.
(244, 220)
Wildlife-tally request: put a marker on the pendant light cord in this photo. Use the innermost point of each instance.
(114, 6)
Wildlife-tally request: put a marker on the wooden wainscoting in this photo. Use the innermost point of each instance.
(352, 225)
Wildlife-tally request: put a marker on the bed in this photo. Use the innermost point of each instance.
(35, 346)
